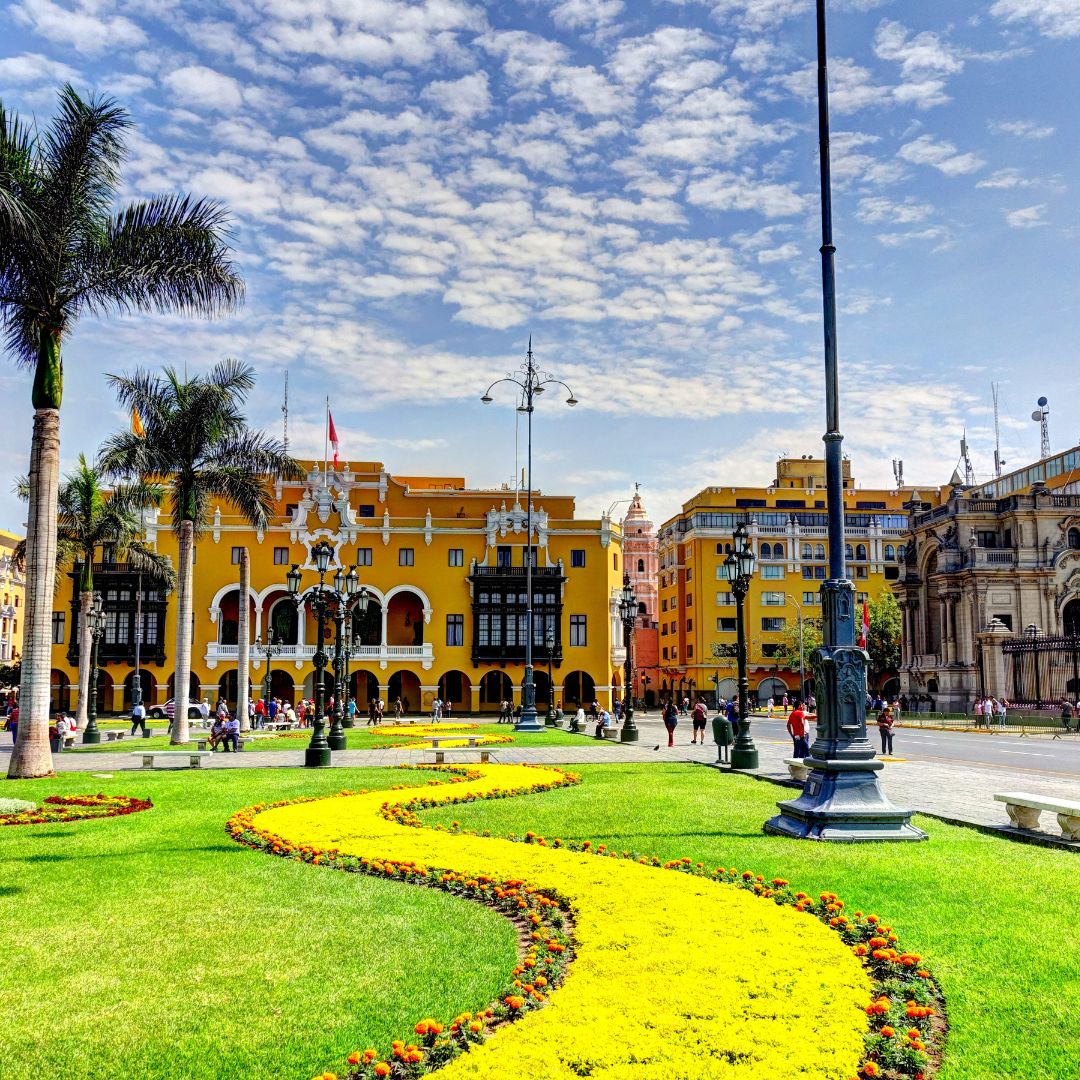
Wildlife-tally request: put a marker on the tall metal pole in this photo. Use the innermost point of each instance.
(842, 799)
(136, 681)
(336, 738)
(317, 753)
(527, 721)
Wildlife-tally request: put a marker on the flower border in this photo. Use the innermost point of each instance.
(906, 1015)
(77, 808)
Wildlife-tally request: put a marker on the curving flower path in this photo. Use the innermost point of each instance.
(675, 976)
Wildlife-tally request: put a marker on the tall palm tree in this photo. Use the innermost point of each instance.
(89, 518)
(65, 253)
(196, 442)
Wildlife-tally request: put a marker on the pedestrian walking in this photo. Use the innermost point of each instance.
(138, 718)
(798, 730)
(398, 711)
(885, 729)
(671, 720)
(13, 723)
(769, 705)
(700, 716)
(371, 712)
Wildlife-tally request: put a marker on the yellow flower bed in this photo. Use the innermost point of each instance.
(675, 976)
(414, 731)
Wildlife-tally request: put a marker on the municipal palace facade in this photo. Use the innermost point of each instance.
(444, 566)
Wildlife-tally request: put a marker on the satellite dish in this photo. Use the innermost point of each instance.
(1042, 402)
(1037, 415)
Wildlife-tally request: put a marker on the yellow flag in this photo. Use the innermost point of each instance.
(136, 423)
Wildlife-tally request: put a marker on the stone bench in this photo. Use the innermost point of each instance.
(194, 756)
(436, 739)
(439, 752)
(798, 768)
(115, 736)
(1024, 810)
(205, 743)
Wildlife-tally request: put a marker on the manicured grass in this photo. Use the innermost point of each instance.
(356, 739)
(151, 946)
(996, 918)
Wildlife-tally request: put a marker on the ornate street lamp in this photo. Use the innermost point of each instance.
(628, 612)
(360, 603)
(531, 382)
(738, 568)
(95, 623)
(842, 798)
(272, 649)
(549, 645)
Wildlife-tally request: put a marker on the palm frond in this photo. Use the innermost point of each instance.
(20, 487)
(143, 559)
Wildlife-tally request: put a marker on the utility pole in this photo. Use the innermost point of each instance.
(997, 433)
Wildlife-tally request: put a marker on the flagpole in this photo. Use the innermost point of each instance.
(326, 446)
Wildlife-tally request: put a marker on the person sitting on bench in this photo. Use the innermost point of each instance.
(217, 732)
(232, 734)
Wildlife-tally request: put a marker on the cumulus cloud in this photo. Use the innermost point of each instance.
(203, 88)
(1006, 178)
(1029, 217)
(1054, 18)
(1026, 129)
(871, 211)
(466, 98)
(87, 27)
(941, 155)
(35, 68)
(729, 191)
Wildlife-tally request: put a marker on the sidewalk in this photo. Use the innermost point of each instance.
(954, 792)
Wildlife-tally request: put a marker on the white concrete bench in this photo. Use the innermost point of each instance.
(1024, 810)
(194, 756)
(240, 743)
(115, 736)
(436, 739)
(798, 768)
(484, 752)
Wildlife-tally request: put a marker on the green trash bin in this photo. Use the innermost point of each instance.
(721, 728)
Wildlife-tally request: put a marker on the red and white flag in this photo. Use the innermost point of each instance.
(865, 635)
(333, 437)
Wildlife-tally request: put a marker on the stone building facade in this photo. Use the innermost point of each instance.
(987, 571)
(642, 561)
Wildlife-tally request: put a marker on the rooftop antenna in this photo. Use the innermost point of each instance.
(285, 413)
(1040, 415)
(969, 472)
(898, 472)
(998, 461)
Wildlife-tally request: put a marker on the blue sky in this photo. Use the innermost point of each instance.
(417, 187)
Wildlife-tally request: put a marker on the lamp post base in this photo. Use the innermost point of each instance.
(337, 742)
(744, 754)
(89, 736)
(317, 758)
(348, 722)
(844, 805)
(528, 721)
(550, 720)
(629, 732)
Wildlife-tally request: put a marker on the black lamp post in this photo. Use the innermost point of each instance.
(549, 645)
(739, 569)
(531, 382)
(272, 649)
(628, 612)
(317, 754)
(352, 587)
(95, 623)
(842, 798)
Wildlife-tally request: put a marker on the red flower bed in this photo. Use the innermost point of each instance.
(77, 808)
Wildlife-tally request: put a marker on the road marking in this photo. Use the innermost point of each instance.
(1025, 753)
(997, 765)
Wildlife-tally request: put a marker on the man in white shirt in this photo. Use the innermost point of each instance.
(138, 718)
(232, 734)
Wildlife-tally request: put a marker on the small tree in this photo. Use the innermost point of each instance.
(883, 641)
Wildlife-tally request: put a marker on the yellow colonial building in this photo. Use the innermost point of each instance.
(12, 595)
(787, 525)
(444, 566)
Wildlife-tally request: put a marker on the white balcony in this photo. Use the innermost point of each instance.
(618, 655)
(302, 654)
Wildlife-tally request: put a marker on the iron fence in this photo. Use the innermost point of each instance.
(1042, 670)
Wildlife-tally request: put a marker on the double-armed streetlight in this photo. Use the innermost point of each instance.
(531, 383)
(346, 586)
(95, 624)
(359, 604)
(272, 648)
(549, 645)
(738, 569)
(628, 612)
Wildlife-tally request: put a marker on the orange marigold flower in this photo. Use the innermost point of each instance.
(382, 1069)
(421, 1028)
(873, 919)
(888, 1032)
(355, 1058)
(871, 1069)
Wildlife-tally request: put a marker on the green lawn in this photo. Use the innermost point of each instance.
(996, 918)
(172, 952)
(151, 946)
(356, 739)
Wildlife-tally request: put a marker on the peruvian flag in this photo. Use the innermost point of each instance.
(333, 437)
(864, 636)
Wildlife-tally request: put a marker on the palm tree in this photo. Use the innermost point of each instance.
(64, 253)
(198, 445)
(89, 518)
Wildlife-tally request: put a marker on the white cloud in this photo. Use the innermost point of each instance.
(33, 68)
(465, 99)
(728, 191)
(1029, 217)
(1026, 129)
(871, 211)
(87, 27)
(1006, 178)
(202, 87)
(579, 14)
(941, 155)
(850, 85)
(1054, 18)
(935, 232)
(636, 60)
(918, 55)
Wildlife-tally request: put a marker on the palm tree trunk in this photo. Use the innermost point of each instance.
(243, 632)
(86, 602)
(31, 756)
(182, 678)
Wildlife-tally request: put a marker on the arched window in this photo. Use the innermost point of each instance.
(641, 566)
(819, 551)
(719, 549)
(860, 553)
(778, 551)
(766, 551)
(900, 549)
(1074, 539)
(807, 551)
(642, 609)
(890, 553)
(849, 552)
